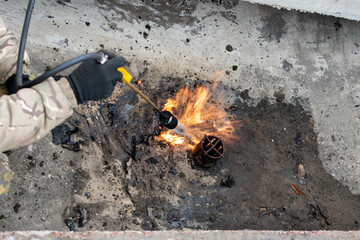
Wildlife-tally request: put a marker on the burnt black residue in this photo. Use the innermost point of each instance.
(274, 27)
(250, 188)
(62, 135)
(255, 174)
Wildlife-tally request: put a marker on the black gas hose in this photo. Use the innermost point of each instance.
(19, 82)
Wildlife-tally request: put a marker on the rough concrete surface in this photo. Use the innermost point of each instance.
(348, 9)
(311, 60)
(173, 235)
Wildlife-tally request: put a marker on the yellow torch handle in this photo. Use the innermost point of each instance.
(126, 76)
(127, 80)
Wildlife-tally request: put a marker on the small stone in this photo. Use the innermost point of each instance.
(229, 48)
(228, 181)
(262, 209)
(301, 170)
(173, 171)
(43, 219)
(87, 23)
(70, 225)
(87, 194)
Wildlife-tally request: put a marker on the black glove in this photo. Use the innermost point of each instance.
(11, 83)
(95, 81)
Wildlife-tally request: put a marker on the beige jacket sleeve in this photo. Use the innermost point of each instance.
(8, 53)
(31, 113)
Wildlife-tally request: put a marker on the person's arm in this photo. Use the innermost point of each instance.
(8, 53)
(31, 113)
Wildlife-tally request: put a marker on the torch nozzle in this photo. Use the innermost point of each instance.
(168, 120)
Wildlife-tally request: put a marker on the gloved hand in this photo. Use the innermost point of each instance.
(95, 81)
(11, 83)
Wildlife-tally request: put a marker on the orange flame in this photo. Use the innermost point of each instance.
(200, 114)
(173, 139)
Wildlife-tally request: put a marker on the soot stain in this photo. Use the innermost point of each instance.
(274, 28)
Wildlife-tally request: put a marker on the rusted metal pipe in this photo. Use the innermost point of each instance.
(208, 151)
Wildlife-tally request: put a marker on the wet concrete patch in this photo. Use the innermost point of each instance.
(160, 12)
(274, 27)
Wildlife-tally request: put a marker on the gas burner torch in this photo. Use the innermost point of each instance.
(167, 119)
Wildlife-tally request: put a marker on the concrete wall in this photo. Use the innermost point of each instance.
(349, 9)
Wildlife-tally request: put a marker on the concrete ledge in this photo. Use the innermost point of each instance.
(175, 235)
(345, 9)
